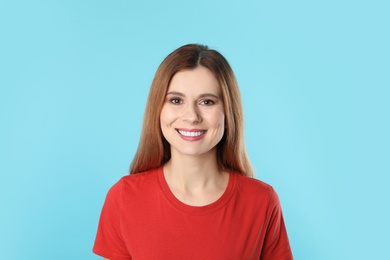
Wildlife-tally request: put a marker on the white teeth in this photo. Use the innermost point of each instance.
(185, 133)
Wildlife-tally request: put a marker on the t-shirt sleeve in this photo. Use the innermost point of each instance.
(109, 242)
(276, 244)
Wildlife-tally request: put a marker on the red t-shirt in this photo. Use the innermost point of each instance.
(142, 219)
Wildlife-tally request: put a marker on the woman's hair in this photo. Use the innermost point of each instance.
(153, 150)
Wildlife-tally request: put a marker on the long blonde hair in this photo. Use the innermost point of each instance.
(154, 151)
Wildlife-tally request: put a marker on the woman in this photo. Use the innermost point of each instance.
(190, 194)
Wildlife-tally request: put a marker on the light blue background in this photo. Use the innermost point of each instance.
(314, 76)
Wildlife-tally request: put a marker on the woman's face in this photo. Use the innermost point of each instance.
(192, 118)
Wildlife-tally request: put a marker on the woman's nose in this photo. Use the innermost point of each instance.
(191, 114)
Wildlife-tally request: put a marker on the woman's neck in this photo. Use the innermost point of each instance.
(191, 178)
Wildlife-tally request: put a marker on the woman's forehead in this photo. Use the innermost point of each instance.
(195, 81)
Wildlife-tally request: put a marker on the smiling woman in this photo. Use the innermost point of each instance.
(192, 118)
(154, 150)
(190, 194)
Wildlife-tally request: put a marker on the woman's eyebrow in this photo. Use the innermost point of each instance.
(175, 93)
(201, 95)
(209, 95)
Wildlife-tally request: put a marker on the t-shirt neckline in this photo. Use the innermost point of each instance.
(198, 210)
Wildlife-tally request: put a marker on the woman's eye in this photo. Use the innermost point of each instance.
(175, 100)
(207, 102)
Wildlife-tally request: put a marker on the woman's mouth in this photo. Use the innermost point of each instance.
(191, 135)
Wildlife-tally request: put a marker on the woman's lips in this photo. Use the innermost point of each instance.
(191, 134)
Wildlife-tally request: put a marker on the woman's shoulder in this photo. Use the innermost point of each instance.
(135, 182)
(141, 177)
(254, 187)
(252, 182)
